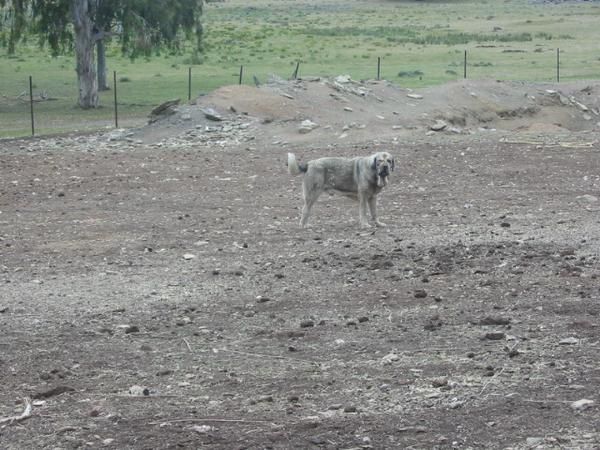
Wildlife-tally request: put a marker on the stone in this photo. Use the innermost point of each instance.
(439, 125)
(307, 126)
(211, 114)
(582, 405)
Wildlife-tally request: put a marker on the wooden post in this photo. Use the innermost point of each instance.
(115, 91)
(378, 68)
(465, 72)
(296, 70)
(189, 84)
(31, 105)
(241, 73)
(558, 65)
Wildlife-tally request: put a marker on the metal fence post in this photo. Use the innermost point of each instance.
(189, 84)
(378, 68)
(558, 65)
(115, 89)
(31, 105)
(241, 73)
(465, 71)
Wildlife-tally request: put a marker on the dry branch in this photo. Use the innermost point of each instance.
(24, 415)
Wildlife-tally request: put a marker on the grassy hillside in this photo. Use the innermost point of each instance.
(420, 43)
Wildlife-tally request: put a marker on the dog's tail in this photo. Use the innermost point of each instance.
(293, 167)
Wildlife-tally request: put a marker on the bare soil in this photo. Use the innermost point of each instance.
(156, 291)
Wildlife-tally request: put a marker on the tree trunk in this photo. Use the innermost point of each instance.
(84, 52)
(102, 84)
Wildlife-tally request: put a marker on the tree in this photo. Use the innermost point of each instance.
(142, 26)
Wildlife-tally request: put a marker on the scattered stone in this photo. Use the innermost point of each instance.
(569, 341)
(582, 405)
(588, 198)
(420, 293)
(188, 256)
(415, 96)
(534, 441)
(262, 299)
(494, 321)
(389, 359)
(307, 126)
(131, 329)
(439, 382)
(350, 409)
(307, 323)
(347, 108)
(363, 319)
(439, 125)
(203, 429)
(165, 372)
(211, 114)
(495, 336)
(505, 225)
(52, 392)
(139, 391)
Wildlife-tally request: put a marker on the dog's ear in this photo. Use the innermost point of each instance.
(374, 166)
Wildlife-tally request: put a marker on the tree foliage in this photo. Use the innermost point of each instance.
(141, 26)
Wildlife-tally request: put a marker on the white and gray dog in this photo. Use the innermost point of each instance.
(361, 178)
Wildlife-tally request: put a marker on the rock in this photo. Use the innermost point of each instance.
(52, 392)
(582, 405)
(420, 293)
(347, 108)
(569, 341)
(307, 323)
(164, 109)
(389, 359)
(439, 382)
(439, 125)
(495, 336)
(307, 126)
(262, 299)
(534, 441)
(350, 409)
(202, 429)
(188, 256)
(211, 114)
(494, 321)
(415, 96)
(588, 198)
(131, 329)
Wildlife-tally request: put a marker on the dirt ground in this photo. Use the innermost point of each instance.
(157, 292)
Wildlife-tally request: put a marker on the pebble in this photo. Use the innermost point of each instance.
(569, 341)
(307, 323)
(582, 405)
(350, 409)
(420, 293)
(495, 335)
(389, 359)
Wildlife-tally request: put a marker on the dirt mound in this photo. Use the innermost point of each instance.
(343, 109)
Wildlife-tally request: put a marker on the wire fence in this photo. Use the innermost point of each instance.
(547, 66)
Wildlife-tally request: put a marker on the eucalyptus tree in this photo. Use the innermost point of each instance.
(141, 26)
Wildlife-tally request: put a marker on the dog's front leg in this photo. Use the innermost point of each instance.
(362, 210)
(373, 209)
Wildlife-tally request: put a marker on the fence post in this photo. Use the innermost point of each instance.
(558, 65)
(465, 72)
(378, 68)
(295, 76)
(31, 105)
(115, 90)
(189, 84)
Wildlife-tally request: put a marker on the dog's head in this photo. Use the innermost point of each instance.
(383, 164)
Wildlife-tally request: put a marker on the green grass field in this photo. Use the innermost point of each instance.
(420, 43)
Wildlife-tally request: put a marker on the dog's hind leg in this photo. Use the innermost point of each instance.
(311, 194)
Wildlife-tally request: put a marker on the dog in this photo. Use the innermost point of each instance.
(361, 178)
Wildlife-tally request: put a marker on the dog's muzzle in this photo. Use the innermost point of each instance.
(383, 175)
